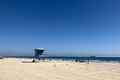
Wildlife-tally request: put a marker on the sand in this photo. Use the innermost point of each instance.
(15, 69)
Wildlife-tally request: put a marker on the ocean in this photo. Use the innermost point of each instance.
(71, 58)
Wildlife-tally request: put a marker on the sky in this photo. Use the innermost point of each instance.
(62, 27)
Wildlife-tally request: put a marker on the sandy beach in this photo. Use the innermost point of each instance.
(15, 69)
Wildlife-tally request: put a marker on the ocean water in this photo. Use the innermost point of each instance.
(74, 58)
(87, 58)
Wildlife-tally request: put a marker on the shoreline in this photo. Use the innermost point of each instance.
(61, 59)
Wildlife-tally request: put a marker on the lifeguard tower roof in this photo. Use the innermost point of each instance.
(39, 49)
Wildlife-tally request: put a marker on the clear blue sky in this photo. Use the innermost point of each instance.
(63, 27)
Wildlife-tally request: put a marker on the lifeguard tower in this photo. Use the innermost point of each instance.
(37, 53)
